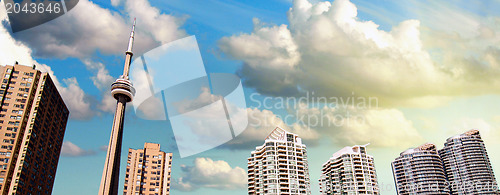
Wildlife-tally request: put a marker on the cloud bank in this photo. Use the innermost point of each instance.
(381, 127)
(207, 173)
(327, 49)
(77, 35)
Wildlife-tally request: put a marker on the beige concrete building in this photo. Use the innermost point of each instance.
(349, 171)
(33, 120)
(148, 171)
(279, 166)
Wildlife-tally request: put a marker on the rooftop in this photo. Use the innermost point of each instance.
(466, 134)
(423, 147)
(357, 149)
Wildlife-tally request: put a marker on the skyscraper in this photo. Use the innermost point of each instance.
(279, 166)
(148, 171)
(349, 171)
(420, 171)
(467, 165)
(33, 120)
(123, 91)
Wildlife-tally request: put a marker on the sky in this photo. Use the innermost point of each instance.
(432, 66)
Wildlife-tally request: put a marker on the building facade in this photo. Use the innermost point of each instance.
(420, 171)
(148, 171)
(467, 165)
(349, 171)
(33, 120)
(279, 166)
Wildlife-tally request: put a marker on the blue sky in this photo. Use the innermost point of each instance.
(430, 64)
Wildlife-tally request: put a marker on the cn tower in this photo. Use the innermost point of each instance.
(123, 91)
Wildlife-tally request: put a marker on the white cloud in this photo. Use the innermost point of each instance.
(102, 80)
(70, 149)
(12, 51)
(261, 123)
(115, 2)
(343, 126)
(351, 126)
(207, 173)
(108, 103)
(205, 98)
(201, 122)
(161, 27)
(79, 34)
(272, 47)
(74, 97)
(327, 49)
(488, 130)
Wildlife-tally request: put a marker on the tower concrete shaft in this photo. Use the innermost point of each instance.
(123, 91)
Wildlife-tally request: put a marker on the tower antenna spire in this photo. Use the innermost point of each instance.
(131, 40)
(123, 91)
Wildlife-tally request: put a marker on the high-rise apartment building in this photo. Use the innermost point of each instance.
(33, 120)
(148, 171)
(467, 165)
(279, 166)
(349, 171)
(420, 171)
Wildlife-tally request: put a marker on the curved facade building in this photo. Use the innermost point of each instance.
(279, 166)
(467, 165)
(349, 171)
(420, 171)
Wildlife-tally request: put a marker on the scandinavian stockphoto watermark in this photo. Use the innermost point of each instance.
(26, 14)
(467, 186)
(315, 111)
(470, 187)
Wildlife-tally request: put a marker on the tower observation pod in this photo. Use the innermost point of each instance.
(123, 91)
